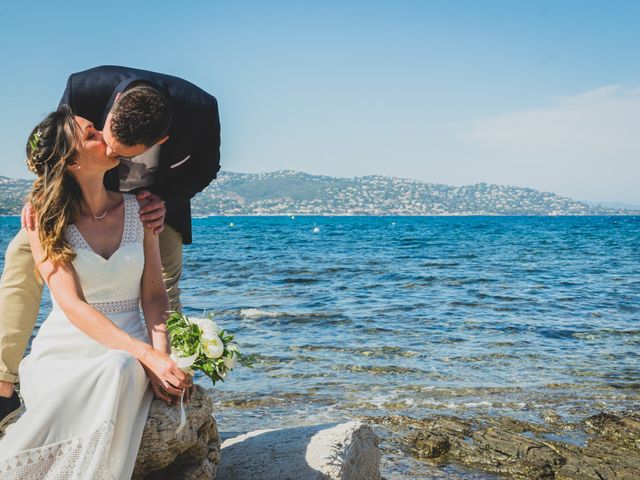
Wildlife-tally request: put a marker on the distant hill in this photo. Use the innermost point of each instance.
(615, 205)
(291, 192)
(288, 192)
(12, 194)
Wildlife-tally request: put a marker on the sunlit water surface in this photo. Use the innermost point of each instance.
(418, 315)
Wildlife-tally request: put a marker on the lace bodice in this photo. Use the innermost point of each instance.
(112, 285)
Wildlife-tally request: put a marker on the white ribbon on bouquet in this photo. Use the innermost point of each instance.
(185, 365)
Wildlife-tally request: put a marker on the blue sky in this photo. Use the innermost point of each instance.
(543, 94)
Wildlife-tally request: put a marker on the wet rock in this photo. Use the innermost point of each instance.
(613, 451)
(620, 429)
(428, 445)
(551, 417)
(522, 450)
(193, 454)
(394, 422)
(454, 425)
(513, 453)
(515, 425)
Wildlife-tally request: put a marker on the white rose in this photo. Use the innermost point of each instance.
(213, 346)
(230, 362)
(207, 326)
(183, 362)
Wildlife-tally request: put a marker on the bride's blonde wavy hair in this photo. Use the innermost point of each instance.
(55, 196)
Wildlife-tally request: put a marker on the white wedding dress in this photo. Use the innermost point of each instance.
(86, 404)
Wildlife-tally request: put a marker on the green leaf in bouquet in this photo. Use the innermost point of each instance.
(225, 338)
(246, 360)
(184, 335)
(209, 369)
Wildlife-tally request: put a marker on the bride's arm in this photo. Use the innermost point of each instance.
(155, 303)
(65, 287)
(154, 299)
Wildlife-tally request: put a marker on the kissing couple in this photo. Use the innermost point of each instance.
(117, 164)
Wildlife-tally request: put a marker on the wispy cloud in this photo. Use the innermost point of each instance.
(587, 145)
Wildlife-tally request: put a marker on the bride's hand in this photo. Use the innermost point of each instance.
(158, 391)
(164, 372)
(161, 394)
(28, 217)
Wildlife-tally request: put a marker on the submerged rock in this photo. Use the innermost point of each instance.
(344, 451)
(193, 454)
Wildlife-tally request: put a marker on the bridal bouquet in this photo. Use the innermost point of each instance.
(200, 344)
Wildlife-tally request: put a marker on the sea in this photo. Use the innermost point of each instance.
(364, 317)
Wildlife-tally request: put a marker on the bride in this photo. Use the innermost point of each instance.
(85, 382)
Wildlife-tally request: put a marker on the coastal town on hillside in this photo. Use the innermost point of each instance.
(289, 192)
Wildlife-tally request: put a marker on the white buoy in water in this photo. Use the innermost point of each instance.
(232, 224)
(293, 217)
(316, 229)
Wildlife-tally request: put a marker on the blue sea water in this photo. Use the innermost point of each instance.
(417, 315)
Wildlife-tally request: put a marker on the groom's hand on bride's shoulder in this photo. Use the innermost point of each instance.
(152, 211)
(28, 217)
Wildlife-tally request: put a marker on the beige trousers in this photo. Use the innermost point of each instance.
(21, 292)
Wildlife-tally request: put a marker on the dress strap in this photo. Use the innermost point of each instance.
(133, 229)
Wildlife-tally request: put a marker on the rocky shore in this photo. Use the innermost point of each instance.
(604, 446)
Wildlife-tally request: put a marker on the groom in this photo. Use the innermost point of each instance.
(166, 132)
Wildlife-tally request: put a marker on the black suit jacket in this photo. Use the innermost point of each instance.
(189, 159)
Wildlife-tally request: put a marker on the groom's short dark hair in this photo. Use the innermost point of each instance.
(140, 116)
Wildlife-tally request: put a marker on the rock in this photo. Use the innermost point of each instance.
(523, 450)
(551, 417)
(344, 451)
(428, 444)
(622, 429)
(514, 454)
(613, 451)
(193, 454)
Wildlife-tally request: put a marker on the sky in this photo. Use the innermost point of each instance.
(542, 94)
